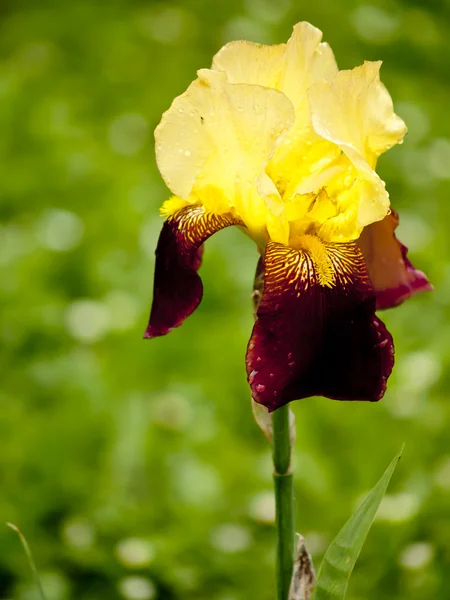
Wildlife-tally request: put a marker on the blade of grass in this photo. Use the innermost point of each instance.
(341, 556)
(31, 562)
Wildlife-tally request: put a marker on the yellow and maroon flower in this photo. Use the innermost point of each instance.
(278, 141)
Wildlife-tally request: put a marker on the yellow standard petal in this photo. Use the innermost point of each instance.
(291, 68)
(355, 111)
(247, 62)
(214, 143)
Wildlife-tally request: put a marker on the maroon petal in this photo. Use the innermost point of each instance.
(313, 340)
(177, 288)
(393, 276)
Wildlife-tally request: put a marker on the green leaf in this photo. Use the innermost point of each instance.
(341, 556)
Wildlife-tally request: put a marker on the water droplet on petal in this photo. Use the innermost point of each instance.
(290, 355)
(187, 152)
(252, 376)
(260, 388)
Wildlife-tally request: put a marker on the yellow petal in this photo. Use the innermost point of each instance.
(276, 217)
(354, 110)
(373, 202)
(278, 228)
(247, 62)
(307, 60)
(213, 199)
(220, 136)
(182, 143)
(308, 212)
(290, 67)
(357, 205)
(301, 152)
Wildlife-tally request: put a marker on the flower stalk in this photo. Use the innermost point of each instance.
(284, 500)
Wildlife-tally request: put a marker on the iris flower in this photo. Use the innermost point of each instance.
(278, 142)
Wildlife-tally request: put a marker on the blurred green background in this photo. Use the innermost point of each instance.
(135, 468)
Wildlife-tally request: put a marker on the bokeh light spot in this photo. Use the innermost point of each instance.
(87, 320)
(262, 507)
(59, 230)
(135, 553)
(78, 533)
(231, 538)
(417, 556)
(398, 508)
(137, 588)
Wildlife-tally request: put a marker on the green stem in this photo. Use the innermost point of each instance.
(284, 500)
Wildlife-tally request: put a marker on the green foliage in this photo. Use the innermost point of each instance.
(341, 556)
(135, 467)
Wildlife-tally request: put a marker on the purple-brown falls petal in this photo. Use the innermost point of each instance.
(393, 276)
(312, 340)
(177, 288)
